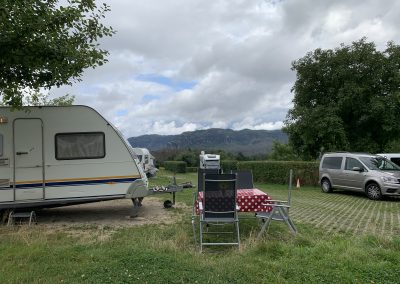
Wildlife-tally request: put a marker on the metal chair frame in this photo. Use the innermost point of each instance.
(279, 212)
(208, 217)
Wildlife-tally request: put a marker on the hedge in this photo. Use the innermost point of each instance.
(228, 165)
(278, 171)
(175, 166)
(191, 169)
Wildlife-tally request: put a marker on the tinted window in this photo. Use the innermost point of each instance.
(379, 163)
(72, 146)
(396, 161)
(332, 163)
(1, 145)
(351, 163)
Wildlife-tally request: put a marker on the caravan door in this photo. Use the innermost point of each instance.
(28, 159)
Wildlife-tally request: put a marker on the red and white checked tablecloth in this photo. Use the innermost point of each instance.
(248, 200)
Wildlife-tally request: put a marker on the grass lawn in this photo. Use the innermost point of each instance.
(343, 238)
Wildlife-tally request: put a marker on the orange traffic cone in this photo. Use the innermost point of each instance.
(298, 183)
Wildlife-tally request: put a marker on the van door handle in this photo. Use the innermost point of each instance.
(22, 153)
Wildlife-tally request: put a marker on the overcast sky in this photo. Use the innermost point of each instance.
(183, 65)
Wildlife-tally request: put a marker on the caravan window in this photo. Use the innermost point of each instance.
(84, 145)
(1, 145)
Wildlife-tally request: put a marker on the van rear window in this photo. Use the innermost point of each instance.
(332, 163)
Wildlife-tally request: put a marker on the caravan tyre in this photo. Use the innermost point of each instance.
(167, 204)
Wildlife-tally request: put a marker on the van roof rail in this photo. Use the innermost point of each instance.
(337, 152)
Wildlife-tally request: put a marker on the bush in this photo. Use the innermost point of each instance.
(191, 169)
(278, 171)
(175, 166)
(228, 165)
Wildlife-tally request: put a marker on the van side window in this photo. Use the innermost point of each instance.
(351, 163)
(1, 145)
(83, 145)
(332, 163)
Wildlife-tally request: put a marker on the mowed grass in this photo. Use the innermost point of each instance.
(343, 238)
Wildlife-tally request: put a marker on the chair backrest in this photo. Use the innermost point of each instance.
(219, 195)
(200, 177)
(244, 179)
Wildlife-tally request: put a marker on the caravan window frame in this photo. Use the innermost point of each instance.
(81, 157)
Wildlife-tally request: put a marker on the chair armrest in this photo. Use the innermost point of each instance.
(279, 201)
(276, 205)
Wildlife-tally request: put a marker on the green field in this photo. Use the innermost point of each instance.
(343, 238)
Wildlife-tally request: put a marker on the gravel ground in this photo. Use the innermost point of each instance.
(113, 213)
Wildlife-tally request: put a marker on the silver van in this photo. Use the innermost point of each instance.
(372, 174)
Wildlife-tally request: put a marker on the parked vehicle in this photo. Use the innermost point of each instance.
(372, 174)
(394, 157)
(209, 161)
(54, 156)
(146, 161)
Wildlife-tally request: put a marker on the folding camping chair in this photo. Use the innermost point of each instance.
(218, 207)
(279, 212)
(200, 188)
(244, 179)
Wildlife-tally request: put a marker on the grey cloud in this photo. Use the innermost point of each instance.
(239, 53)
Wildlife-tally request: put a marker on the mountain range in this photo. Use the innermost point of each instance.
(246, 141)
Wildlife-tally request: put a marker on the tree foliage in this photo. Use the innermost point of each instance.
(345, 99)
(41, 99)
(44, 43)
(282, 152)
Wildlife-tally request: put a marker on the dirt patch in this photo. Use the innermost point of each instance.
(114, 213)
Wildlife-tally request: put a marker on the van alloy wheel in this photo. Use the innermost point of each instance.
(326, 185)
(373, 191)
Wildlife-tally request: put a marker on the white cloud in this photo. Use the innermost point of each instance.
(236, 53)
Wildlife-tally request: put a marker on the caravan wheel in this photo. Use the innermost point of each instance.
(167, 204)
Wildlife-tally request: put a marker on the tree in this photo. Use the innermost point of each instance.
(41, 99)
(282, 152)
(345, 99)
(44, 44)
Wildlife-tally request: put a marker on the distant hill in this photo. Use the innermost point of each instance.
(248, 142)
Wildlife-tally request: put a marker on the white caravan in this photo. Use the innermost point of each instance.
(54, 156)
(146, 160)
(209, 161)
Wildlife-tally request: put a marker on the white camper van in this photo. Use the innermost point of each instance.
(146, 160)
(53, 156)
(209, 161)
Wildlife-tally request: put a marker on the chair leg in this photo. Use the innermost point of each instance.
(266, 225)
(194, 228)
(292, 226)
(201, 236)
(288, 221)
(238, 233)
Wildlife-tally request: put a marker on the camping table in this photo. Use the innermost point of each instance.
(248, 200)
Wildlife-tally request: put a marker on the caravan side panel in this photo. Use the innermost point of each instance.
(83, 157)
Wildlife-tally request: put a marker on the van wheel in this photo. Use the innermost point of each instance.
(373, 191)
(326, 185)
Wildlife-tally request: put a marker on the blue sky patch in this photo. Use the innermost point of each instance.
(121, 112)
(148, 97)
(176, 85)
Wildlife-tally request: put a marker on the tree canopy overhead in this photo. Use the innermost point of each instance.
(44, 44)
(345, 99)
